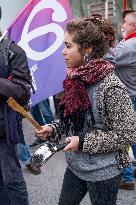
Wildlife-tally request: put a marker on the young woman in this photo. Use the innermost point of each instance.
(96, 115)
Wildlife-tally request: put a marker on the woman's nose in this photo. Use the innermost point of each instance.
(64, 51)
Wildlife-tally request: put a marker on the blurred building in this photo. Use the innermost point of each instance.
(115, 8)
(107, 9)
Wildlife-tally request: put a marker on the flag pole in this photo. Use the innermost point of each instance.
(3, 35)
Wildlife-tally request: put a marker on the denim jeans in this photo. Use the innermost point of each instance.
(13, 189)
(42, 112)
(23, 153)
(128, 171)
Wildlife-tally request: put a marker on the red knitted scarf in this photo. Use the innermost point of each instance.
(132, 35)
(75, 96)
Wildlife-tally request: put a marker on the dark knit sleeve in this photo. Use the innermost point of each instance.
(56, 135)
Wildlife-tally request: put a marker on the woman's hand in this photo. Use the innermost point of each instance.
(73, 143)
(45, 132)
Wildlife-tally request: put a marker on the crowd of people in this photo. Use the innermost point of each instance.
(96, 113)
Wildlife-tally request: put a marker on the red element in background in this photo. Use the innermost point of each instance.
(124, 4)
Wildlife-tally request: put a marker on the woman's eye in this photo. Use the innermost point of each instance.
(68, 46)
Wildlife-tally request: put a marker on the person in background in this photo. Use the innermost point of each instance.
(42, 113)
(25, 157)
(96, 115)
(125, 57)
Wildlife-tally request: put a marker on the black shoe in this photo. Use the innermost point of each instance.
(37, 143)
(127, 185)
(34, 168)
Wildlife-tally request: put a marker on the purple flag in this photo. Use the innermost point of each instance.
(39, 30)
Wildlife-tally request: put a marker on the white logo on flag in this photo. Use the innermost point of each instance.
(32, 70)
(59, 15)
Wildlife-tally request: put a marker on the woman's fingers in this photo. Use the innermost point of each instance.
(68, 139)
(68, 147)
(45, 132)
(41, 131)
(73, 143)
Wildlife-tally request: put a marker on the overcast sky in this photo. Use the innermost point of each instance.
(10, 9)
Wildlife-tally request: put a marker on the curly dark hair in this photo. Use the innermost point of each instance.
(92, 32)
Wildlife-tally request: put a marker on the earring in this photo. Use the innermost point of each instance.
(87, 57)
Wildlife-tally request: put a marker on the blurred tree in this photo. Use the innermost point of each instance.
(81, 8)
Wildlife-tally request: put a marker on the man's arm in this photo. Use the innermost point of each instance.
(123, 54)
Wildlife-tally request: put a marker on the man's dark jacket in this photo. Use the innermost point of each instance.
(17, 85)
